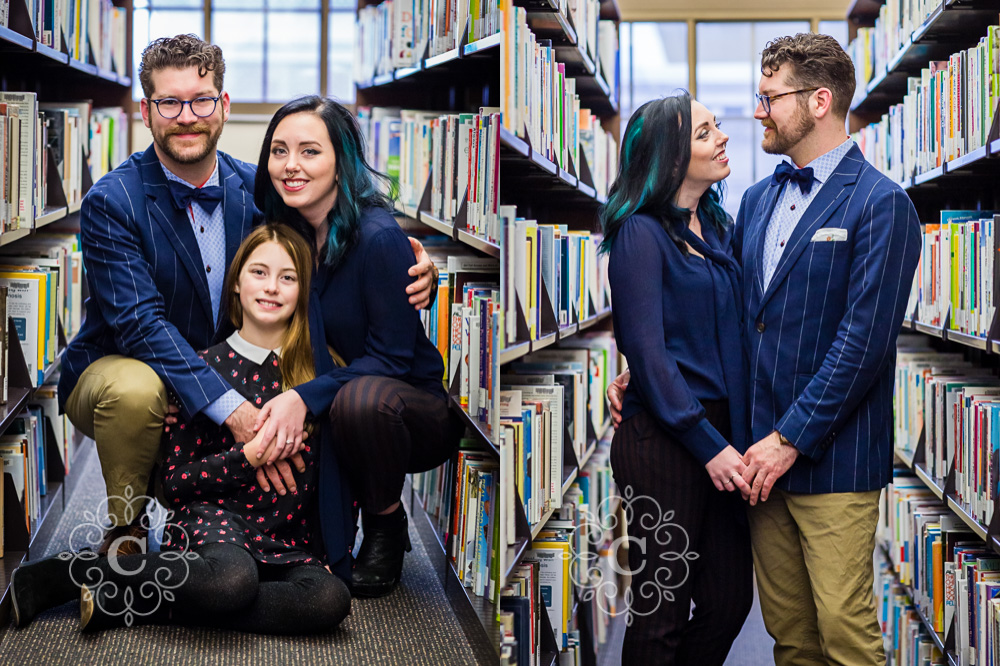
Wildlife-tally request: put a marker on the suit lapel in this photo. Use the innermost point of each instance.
(834, 193)
(175, 226)
(236, 208)
(761, 218)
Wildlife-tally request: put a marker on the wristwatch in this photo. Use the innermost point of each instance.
(784, 440)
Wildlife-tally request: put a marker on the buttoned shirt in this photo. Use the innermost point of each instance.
(792, 204)
(210, 232)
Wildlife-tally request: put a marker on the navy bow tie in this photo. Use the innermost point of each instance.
(207, 197)
(802, 177)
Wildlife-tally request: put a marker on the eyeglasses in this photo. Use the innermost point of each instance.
(171, 108)
(765, 100)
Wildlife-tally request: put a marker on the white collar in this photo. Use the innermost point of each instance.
(249, 350)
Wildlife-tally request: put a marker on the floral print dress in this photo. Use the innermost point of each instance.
(212, 488)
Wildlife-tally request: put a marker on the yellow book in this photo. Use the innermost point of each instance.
(26, 305)
(532, 274)
(938, 592)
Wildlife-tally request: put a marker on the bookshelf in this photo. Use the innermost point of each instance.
(460, 75)
(28, 64)
(962, 178)
(555, 183)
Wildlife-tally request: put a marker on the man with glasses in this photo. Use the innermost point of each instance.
(159, 233)
(829, 247)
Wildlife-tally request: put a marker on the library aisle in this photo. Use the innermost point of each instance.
(413, 625)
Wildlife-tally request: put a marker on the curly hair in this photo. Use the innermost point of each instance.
(181, 51)
(817, 61)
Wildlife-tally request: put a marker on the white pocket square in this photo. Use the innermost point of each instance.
(832, 234)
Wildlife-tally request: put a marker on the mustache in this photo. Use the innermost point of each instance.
(197, 128)
(769, 125)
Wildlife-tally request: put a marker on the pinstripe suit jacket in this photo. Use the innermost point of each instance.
(821, 337)
(149, 297)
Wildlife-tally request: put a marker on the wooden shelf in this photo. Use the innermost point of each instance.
(8, 237)
(481, 429)
(928, 480)
(50, 215)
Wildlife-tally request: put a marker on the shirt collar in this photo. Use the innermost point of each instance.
(249, 350)
(212, 180)
(824, 165)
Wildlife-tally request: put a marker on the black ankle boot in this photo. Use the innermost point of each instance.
(379, 564)
(37, 586)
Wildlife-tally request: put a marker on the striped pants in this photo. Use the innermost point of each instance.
(384, 429)
(700, 554)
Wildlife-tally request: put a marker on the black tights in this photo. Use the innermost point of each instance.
(218, 585)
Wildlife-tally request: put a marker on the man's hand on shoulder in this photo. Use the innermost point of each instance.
(426, 275)
(241, 422)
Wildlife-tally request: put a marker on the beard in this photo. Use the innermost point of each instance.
(162, 140)
(780, 142)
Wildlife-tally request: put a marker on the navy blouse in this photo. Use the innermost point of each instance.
(367, 316)
(677, 321)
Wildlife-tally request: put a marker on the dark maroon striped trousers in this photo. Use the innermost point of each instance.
(687, 542)
(384, 429)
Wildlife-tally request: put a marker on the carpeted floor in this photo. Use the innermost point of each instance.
(413, 625)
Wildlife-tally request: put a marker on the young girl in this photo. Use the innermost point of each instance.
(233, 555)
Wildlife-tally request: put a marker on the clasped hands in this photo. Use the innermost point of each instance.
(273, 437)
(753, 474)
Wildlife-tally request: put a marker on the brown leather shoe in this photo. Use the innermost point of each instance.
(126, 539)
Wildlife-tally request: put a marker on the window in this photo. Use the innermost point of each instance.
(726, 82)
(662, 68)
(153, 19)
(273, 48)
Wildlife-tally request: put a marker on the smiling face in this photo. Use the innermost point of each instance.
(709, 163)
(303, 165)
(789, 121)
(268, 286)
(186, 139)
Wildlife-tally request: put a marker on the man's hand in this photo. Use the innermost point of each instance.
(426, 274)
(766, 462)
(283, 417)
(171, 416)
(280, 474)
(241, 421)
(616, 393)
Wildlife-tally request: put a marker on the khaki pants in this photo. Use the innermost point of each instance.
(813, 559)
(120, 403)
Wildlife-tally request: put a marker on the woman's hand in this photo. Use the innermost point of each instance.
(426, 274)
(616, 393)
(726, 471)
(282, 417)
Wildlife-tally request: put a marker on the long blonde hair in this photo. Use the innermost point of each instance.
(297, 365)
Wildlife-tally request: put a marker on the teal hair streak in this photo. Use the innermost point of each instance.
(356, 186)
(618, 200)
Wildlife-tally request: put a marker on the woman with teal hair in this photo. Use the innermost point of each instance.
(677, 451)
(386, 401)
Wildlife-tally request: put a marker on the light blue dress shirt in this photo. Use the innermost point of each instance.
(792, 204)
(210, 232)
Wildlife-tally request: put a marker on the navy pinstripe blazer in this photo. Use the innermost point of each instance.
(821, 338)
(149, 297)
